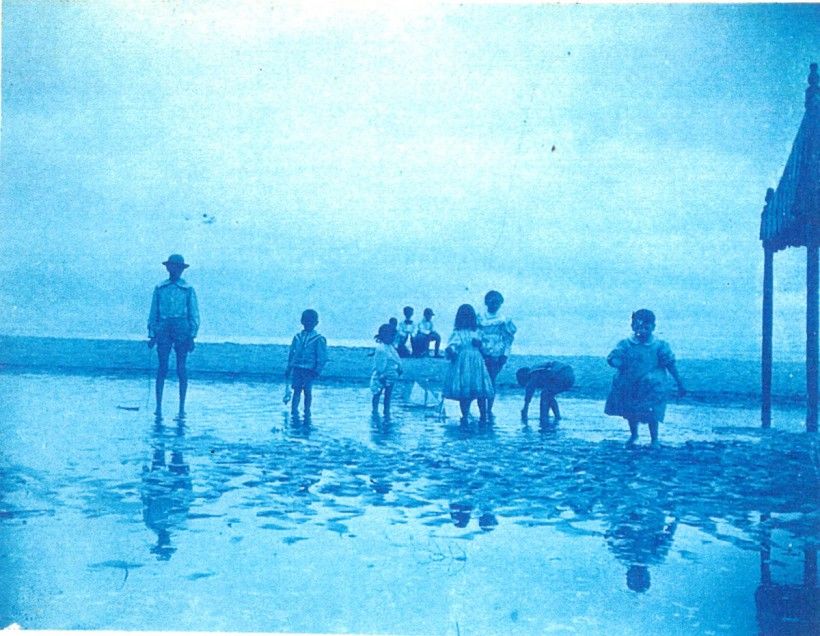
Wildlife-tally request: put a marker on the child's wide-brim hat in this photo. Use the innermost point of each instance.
(176, 259)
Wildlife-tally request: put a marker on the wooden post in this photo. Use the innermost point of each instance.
(766, 353)
(765, 551)
(811, 335)
(810, 567)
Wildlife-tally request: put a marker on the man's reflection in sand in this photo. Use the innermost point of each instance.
(640, 534)
(166, 488)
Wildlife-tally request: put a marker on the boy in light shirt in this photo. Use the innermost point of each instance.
(425, 334)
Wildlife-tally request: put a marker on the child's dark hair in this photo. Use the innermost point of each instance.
(465, 318)
(523, 375)
(407, 310)
(387, 334)
(644, 315)
(493, 295)
(310, 316)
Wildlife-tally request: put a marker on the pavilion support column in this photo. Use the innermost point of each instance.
(766, 354)
(812, 280)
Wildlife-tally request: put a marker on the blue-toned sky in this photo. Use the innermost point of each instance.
(584, 160)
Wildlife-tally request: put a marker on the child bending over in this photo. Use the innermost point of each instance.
(551, 378)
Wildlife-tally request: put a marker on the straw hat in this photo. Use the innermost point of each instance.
(176, 259)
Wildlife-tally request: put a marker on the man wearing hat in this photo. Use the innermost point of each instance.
(425, 334)
(173, 323)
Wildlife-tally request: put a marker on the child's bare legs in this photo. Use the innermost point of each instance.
(494, 366)
(163, 353)
(375, 403)
(529, 391)
(434, 337)
(633, 433)
(653, 433)
(483, 408)
(464, 405)
(308, 398)
(182, 374)
(297, 396)
(388, 393)
(544, 407)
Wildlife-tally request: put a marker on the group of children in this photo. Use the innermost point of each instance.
(418, 336)
(477, 350)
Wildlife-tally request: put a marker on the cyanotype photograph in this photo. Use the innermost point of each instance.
(409, 317)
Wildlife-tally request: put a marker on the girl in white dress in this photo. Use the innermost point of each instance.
(467, 378)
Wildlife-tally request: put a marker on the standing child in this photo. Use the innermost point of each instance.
(497, 334)
(386, 368)
(467, 378)
(173, 322)
(639, 388)
(551, 378)
(306, 359)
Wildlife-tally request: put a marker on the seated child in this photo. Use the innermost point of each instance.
(551, 378)
(425, 334)
(386, 368)
(406, 329)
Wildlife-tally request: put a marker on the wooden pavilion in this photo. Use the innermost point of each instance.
(791, 218)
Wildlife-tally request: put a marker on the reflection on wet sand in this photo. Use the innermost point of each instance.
(166, 488)
(418, 490)
(640, 534)
(787, 608)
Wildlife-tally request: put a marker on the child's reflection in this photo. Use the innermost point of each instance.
(461, 513)
(640, 535)
(166, 489)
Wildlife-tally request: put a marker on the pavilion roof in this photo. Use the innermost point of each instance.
(791, 217)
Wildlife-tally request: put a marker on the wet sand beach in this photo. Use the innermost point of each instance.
(243, 518)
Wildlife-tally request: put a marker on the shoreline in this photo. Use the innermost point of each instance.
(718, 380)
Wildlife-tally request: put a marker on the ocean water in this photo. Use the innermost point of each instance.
(243, 518)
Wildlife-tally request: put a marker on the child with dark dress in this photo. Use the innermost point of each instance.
(638, 391)
(467, 378)
(386, 368)
(551, 378)
(306, 359)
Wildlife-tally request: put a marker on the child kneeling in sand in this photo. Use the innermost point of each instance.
(386, 368)
(551, 378)
(306, 359)
(638, 391)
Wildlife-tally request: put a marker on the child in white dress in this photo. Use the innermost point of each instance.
(386, 368)
(497, 334)
(467, 378)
